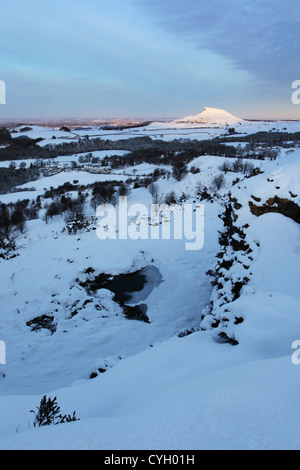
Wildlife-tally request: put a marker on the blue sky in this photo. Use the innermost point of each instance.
(154, 58)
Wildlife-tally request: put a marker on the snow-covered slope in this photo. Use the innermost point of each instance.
(256, 300)
(189, 393)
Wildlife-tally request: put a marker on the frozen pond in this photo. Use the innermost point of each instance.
(129, 289)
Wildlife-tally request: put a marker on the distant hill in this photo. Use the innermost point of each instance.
(211, 116)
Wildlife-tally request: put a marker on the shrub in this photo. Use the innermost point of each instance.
(225, 167)
(158, 172)
(123, 190)
(218, 182)
(154, 191)
(103, 193)
(12, 177)
(179, 170)
(45, 322)
(170, 198)
(195, 170)
(48, 412)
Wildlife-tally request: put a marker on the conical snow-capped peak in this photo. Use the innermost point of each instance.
(211, 116)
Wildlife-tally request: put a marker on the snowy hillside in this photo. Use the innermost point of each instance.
(199, 355)
(256, 298)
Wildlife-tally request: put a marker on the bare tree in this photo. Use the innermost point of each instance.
(170, 198)
(179, 170)
(218, 182)
(154, 191)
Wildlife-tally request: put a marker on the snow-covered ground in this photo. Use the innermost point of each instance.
(174, 130)
(188, 393)
(161, 389)
(208, 124)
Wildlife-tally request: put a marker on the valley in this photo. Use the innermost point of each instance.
(153, 345)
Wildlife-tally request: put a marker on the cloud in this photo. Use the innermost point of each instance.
(105, 56)
(259, 36)
(154, 57)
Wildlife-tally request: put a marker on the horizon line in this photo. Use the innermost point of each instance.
(26, 120)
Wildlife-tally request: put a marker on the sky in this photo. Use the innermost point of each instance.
(149, 58)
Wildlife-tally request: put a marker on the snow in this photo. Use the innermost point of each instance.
(37, 132)
(63, 177)
(276, 269)
(160, 390)
(20, 196)
(210, 123)
(281, 178)
(33, 189)
(270, 303)
(65, 259)
(209, 399)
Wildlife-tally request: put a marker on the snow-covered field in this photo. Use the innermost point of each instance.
(164, 388)
(210, 123)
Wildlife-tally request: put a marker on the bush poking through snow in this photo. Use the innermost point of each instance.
(103, 193)
(179, 170)
(48, 412)
(76, 225)
(44, 322)
(171, 198)
(218, 182)
(154, 191)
